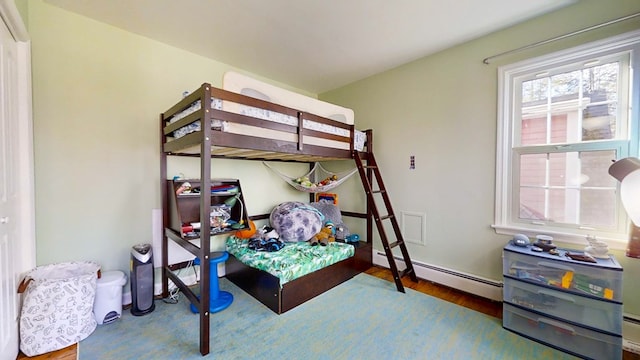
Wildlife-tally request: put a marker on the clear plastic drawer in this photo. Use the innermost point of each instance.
(574, 339)
(602, 280)
(587, 311)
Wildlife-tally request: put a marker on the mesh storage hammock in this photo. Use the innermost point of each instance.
(317, 180)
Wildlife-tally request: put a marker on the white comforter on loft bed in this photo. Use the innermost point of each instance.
(250, 87)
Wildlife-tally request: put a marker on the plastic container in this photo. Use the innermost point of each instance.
(108, 302)
(561, 335)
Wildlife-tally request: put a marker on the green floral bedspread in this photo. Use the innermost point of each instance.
(293, 260)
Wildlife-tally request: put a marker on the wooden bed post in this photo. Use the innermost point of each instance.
(300, 131)
(164, 201)
(369, 145)
(205, 210)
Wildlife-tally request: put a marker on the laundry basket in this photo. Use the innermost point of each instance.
(57, 308)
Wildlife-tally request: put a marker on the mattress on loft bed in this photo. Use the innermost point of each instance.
(294, 260)
(244, 85)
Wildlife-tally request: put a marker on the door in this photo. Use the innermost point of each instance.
(17, 209)
(8, 250)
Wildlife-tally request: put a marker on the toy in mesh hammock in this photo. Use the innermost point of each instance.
(317, 180)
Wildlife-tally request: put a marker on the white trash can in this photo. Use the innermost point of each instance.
(108, 302)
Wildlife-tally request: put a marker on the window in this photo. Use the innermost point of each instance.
(563, 119)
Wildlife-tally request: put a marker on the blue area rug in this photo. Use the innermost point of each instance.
(364, 318)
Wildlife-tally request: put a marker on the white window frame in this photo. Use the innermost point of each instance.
(505, 222)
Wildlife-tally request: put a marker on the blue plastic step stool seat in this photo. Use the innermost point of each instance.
(218, 300)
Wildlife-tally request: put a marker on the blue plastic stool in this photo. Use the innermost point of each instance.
(218, 300)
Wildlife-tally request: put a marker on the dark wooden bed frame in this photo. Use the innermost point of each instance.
(208, 143)
(281, 298)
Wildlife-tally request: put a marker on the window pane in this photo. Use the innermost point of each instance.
(598, 207)
(565, 86)
(595, 168)
(532, 202)
(533, 170)
(601, 81)
(560, 129)
(534, 131)
(599, 122)
(534, 114)
(600, 88)
(562, 206)
(564, 169)
(534, 92)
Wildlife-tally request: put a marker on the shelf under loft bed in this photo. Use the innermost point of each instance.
(185, 206)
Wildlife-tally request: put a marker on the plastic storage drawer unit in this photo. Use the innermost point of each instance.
(601, 280)
(582, 310)
(574, 339)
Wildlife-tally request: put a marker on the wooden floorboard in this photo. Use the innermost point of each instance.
(485, 306)
(68, 353)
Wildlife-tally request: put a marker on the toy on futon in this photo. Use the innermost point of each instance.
(296, 221)
(247, 233)
(269, 245)
(266, 240)
(332, 213)
(268, 233)
(325, 236)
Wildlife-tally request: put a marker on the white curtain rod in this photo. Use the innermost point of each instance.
(486, 60)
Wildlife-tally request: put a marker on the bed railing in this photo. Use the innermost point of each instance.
(219, 138)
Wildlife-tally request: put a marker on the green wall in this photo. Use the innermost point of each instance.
(442, 110)
(97, 95)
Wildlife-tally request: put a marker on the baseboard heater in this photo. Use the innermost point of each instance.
(472, 284)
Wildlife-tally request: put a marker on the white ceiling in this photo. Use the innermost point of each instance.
(314, 45)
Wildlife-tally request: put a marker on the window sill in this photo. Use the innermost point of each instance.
(574, 239)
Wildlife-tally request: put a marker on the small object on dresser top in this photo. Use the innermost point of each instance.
(536, 249)
(597, 248)
(520, 240)
(580, 256)
(545, 242)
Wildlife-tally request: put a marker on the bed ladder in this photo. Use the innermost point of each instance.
(368, 182)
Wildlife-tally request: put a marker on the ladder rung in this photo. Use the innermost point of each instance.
(394, 244)
(378, 191)
(369, 166)
(405, 272)
(386, 217)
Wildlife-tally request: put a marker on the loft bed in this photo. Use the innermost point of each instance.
(252, 122)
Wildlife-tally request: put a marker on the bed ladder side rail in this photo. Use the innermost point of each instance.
(368, 182)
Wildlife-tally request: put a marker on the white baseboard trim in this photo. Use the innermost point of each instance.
(630, 346)
(631, 333)
(472, 284)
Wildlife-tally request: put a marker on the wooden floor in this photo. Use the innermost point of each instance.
(486, 306)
